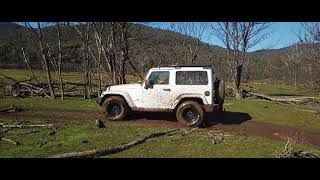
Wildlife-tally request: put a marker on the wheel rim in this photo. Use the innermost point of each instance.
(190, 114)
(114, 109)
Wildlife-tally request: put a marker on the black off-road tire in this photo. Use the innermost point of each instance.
(112, 113)
(192, 107)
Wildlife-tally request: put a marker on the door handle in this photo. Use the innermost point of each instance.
(167, 89)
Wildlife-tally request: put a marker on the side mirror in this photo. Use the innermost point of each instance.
(146, 84)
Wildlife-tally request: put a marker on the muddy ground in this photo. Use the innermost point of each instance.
(234, 122)
(240, 123)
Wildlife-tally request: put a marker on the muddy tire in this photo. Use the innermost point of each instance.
(190, 113)
(115, 108)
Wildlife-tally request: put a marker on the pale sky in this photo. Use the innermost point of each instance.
(282, 34)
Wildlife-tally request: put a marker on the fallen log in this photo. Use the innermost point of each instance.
(29, 125)
(188, 132)
(11, 109)
(284, 99)
(217, 136)
(7, 77)
(9, 140)
(117, 149)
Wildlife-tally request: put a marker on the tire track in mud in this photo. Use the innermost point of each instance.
(239, 123)
(246, 127)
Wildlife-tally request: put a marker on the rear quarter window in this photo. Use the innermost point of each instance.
(191, 78)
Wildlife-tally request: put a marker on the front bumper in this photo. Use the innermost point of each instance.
(99, 100)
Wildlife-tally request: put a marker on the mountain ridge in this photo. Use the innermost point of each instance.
(150, 42)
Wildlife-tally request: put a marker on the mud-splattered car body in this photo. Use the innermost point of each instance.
(165, 88)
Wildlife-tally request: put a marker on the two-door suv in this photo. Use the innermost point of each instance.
(189, 91)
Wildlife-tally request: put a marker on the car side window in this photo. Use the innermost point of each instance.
(159, 77)
(191, 78)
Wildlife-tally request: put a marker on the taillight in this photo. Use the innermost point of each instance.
(207, 93)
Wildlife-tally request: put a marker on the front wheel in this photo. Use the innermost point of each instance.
(190, 113)
(115, 108)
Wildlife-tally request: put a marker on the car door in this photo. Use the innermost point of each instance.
(157, 95)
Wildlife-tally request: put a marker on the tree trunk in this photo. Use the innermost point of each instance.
(45, 60)
(26, 60)
(237, 80)
(99, 68)
(47, 68)
(59, 63)
(27, 63)
(85, 68)
(124, 51)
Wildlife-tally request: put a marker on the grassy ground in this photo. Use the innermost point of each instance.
(264, 88)
(279, 90)
(68, 76)
(75, 118)
(259, 111)
(278, 114)
(86, 136)
(77, 132)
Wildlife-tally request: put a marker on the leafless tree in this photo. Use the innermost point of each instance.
(124, 46)
(293, 62)
(190, 29)
(38, 33)
(99, 29)
(60, 55)
(309, 37)
(83, 30)
(239, 37)
(112, 44)
(24, 54)
(109, 52)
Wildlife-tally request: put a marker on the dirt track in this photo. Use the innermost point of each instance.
(230, 122)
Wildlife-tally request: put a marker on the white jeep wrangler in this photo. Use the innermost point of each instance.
(187, 90)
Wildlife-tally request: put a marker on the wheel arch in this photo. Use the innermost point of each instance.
(191, 97)
(122, 95)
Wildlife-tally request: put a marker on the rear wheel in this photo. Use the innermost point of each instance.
(190, 113)
(115, 108)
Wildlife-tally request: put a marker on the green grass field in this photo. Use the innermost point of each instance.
(76, 116)
(77, 132)
(278, 114)
(87, 137)
(279, 90)
(75, 77)
(264, 88)
(260, 111)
